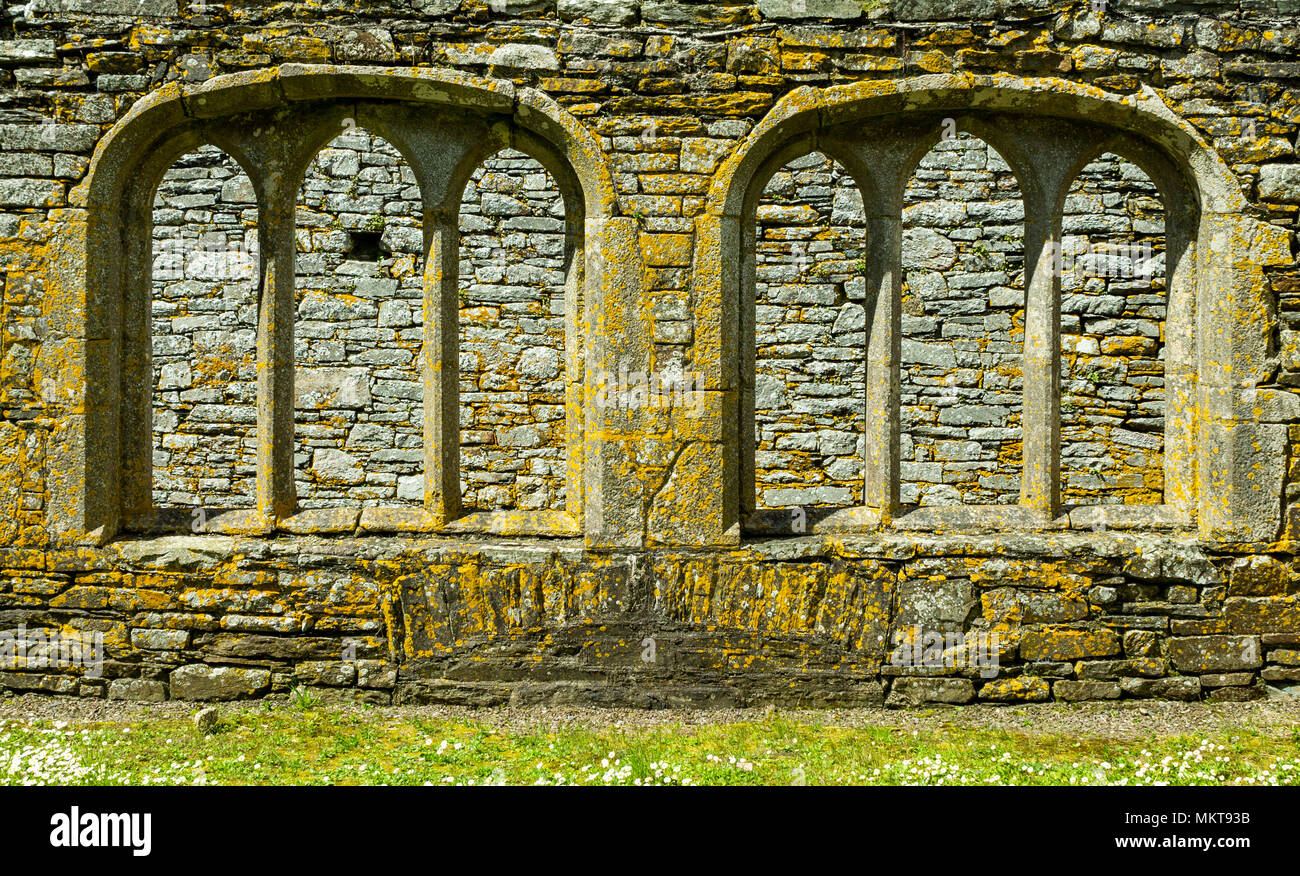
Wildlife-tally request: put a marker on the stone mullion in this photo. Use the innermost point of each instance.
(276, 497)
(884, 283)
(747, 363)
(1040, 484)
(137, 368)
(441, 365)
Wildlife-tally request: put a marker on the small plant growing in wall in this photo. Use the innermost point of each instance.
(375, 224)
(303, 698)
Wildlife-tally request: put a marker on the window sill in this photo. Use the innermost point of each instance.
(981, 518)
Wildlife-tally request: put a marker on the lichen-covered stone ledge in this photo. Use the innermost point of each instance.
(813, 621)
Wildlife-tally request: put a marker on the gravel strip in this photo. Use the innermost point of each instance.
(1123, 720)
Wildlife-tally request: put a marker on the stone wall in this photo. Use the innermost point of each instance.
(963, 328)
(512, 359)
(205, 334)
(655, 592)
(360, 295)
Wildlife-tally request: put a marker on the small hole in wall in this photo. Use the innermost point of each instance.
(366, 246)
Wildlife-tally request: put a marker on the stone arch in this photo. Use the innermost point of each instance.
(273, 122)
(1059, 126)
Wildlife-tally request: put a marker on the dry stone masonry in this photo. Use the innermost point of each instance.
(512, 350)
(963, 328)
(204, 332)
(358, 411)
(649, 353)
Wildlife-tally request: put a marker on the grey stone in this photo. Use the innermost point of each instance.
(163, 640)
(338, 467)
(30, 193)
(327, 673)
(206, 720)
(1280, 182)
(600, 11)
(1215, 653)
(137, 689)
(202, 682)
(801, 9)
(944, 10)
(1178, 688)
(919, 691)
(133, 8)
(1076, 691)
(27, 51)
(525, 56)
(927, 250)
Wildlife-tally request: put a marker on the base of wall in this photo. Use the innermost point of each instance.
(799, 622)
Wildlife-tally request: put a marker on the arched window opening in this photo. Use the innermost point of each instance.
(1113, 308)
(203, 322)
(512, 337)
(359, 327)
(809, 344)
(963, 312)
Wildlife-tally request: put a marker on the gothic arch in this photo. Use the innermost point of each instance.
(273, 122)
(1047, 130)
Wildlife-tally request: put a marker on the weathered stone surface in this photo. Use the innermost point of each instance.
(1140, 667)
(1215, 653)
(1259, 576)
(1178, 688)
(137, 689)
(1227, 679)
(199, 682)
(800, 9)
(918, 691)
(1262, 615)
(1077, 691)
(1236, 694)
(525, 56)
(1068, 644)
(327, 673)
(1012, 605)
(600, 11)
(206, 720)
(1280, 182)
(1021, 689)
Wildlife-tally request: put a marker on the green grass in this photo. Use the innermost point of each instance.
(256, 744)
